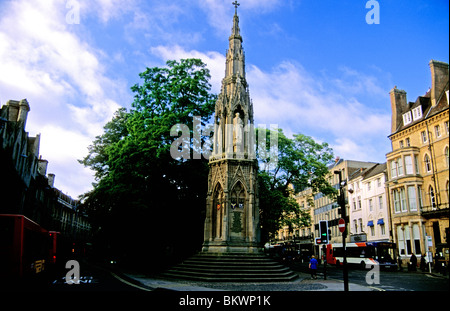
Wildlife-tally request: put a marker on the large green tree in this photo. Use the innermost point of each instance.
(292, 165)
(145, 204)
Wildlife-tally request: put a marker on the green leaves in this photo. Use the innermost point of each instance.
(302, 163)
(135, 172)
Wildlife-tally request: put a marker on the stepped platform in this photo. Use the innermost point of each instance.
(230, 267)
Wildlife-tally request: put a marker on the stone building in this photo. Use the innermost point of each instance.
(369, 210)
(26, 188)
(321, 207)
(232, 207)
(418, 168)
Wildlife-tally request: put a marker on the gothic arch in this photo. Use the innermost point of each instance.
(238, 195)
(218, 206)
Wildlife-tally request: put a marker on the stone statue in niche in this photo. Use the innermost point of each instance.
(238, 128)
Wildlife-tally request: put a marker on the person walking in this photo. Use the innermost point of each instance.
(413, 262)
(313, 267)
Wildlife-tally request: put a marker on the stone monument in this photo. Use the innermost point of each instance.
(232, 206)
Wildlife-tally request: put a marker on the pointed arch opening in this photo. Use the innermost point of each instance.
(217, 211)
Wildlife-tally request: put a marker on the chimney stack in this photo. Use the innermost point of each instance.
(42, 168)
(439, 79)
(399, 106)
(23, 111)
(51, 180)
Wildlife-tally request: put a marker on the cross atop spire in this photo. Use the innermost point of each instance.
(236, 4)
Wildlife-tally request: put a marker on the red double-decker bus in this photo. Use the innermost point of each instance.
(25, 247)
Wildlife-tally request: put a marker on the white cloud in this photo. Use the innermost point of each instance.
(214, 61)
(63, 78)
(300, 102)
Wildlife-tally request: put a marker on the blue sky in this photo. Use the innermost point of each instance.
(314, 67)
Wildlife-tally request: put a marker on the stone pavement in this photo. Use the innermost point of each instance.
(302, 283)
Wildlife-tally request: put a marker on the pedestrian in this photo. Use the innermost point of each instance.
(413, 261)
(313, 267)
(423, 265)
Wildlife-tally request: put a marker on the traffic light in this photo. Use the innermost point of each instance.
(323, 231)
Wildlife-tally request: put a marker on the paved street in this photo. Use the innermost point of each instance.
(94, 278)
(388, 280)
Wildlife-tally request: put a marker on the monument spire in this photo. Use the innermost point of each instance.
(232, 208)
(235, 65)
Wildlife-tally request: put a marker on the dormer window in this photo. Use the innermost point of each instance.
(417, 113)
(407, 118)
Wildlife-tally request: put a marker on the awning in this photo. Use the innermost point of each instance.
(380, 221)
(370, 223)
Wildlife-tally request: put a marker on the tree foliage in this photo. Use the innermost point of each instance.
(295, 165)
(147, 207)
(145, 202)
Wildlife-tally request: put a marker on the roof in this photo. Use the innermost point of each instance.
(374, 170)
(427, 109)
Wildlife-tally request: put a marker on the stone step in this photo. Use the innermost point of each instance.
(221, 269)
(210, 267)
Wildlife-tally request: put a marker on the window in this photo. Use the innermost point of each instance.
(408, 142)
(407, 118)
(370, 205)
(355, 224)
(372, 230)
(380, 202)
(416, 238)
(408, 165)
(396, 196)
(447, 188)
(354, 204)
(432, 198)
(407, 239)
(393, 169)
(412, 201)
(416, 164)
(382, 229)
(424, 137)
(437, 130)
(401, 144)
(359, 202)
(427, 163)
(400, 166)
(379, 182)
(403, 199)
(369, 186)
(417, 113)
(446, 156)
(401, 240)
(419, 192)
(446, 126)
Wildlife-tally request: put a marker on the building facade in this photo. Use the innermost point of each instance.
(27, 189)
(418, 168)
(369, 210)
(322, 207)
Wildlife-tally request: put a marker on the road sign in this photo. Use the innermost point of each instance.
(341, 225)
(318, 241)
